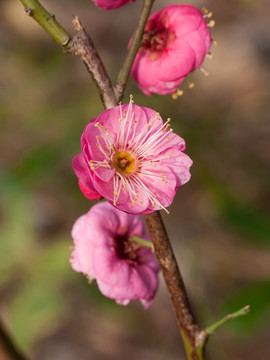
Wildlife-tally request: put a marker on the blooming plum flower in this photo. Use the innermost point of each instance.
(131, 158)
(103, 250)
(111, 4)
(176, 40)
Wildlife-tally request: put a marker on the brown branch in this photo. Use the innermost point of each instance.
(83, 46)
(174, 282)
(9, 346)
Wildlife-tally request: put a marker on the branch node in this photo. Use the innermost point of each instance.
(77, 24)
(201, 338)
(28, 11)
(66, 41)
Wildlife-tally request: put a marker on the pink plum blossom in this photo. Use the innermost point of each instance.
(175, 42)
(131, 158)
(111, 4)
(124, 271)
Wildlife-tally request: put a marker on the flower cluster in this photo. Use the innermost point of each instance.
(104, 250)
(134, 160)
(111, 4)
(175, 42)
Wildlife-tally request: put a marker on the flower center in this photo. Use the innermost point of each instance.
(126, 249)
(124, 163)
(157, 38)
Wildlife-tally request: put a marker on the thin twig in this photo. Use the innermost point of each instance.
(210, 330)
(9, 346)
(81, 45)
(34, 9)
(133, 49)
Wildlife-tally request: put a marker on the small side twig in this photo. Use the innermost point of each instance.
(34, 9)
(203, 335)
(210, 330)
(9, 346)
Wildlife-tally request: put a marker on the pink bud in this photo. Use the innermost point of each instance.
(175, 42)
(111, 4)
(103, 251)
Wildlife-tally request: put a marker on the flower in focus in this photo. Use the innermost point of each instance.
(132, 159)
(103, 250)
(111, 4)
(175, 42)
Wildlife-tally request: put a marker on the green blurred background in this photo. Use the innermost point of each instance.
(219, 223)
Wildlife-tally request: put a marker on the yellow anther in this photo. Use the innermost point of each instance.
(180, 92)
(211, 23)
(191, 85)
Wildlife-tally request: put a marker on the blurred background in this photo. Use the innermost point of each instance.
(219, 223)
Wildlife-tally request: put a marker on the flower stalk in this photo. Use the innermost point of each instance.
(141, 242)
(133, 49)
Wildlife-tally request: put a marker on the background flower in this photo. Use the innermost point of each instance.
(132, 159)
(175, 42)
(122, 269)
(111, 4)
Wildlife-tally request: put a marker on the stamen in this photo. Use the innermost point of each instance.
(211, 23)
(208, 15)
(180, 92)
(190, 84)
(206, 73)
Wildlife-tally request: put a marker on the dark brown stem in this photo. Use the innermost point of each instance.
(174, 282)
(9, 346)
(83, 46)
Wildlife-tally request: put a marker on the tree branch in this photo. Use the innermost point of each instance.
(9, 345)
(34, 9)
(80, 45)
(174, 282)
(83, 46)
